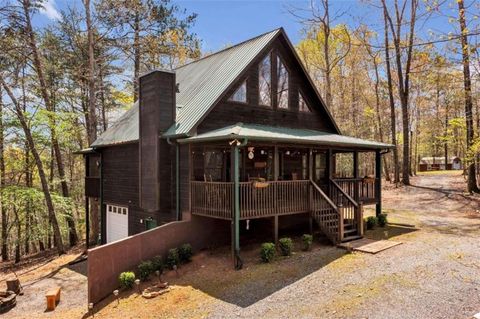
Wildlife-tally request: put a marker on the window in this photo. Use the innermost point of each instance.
(282, 89)
(117, 209)
(240, 94)
(264, 82)
(302, 105)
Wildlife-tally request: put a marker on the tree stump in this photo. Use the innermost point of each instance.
(14, 285)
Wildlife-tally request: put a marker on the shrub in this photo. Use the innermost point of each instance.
(185, 253)
(157, 263)
(145, 268)
(173, 259)
(307, 241)
(286, 246)
(127, 279)
(371, 222)
(267, 252)
(382, 220)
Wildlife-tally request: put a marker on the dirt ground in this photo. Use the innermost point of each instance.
(433, 274)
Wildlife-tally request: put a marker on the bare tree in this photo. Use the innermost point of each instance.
(403, 72)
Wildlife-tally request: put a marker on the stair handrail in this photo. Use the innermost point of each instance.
(335, 237)
(325, 196)
(344, 193)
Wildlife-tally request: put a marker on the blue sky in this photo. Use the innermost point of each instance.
(226, 22)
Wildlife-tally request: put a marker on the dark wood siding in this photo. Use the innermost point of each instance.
(120, 174)
(228, 113)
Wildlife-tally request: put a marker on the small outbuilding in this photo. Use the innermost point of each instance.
(438, 163)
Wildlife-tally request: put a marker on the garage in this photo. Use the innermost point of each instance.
(117, 223)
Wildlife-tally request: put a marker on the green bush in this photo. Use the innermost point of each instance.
(157, 262)
(382, 220)
(267, 252)
(173, 259)
(145, 268)
(286, 246)
(307, 241)
(127, 279)
(185, 253)
(371, 222)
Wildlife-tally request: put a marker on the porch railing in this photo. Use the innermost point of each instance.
(257, 199)
(213, 199)
(360, 189)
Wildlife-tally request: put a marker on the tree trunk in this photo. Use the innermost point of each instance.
(393, 120)
(38, 161)
(52, 125)
(2, 183)
(136, 55)
(467, 83)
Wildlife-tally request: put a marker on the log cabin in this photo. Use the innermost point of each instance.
(239, 135)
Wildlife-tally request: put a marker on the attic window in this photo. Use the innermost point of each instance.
(264, 81)
(282, 90)
(302, 105)
(240, 95)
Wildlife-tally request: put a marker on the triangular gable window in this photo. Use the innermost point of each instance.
(302, 105)
(240, 94)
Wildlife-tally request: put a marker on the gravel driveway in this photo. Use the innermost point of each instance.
(435, 273)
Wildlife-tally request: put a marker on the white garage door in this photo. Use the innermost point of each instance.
(117, 223)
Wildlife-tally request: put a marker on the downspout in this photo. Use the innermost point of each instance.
(103, 239)
(177, 178)
(238, 263)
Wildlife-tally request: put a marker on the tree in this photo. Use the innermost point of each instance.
(403, 71)
(38, 161)
(149, 30)
(2, 182)
(467, 84)
(38, 66)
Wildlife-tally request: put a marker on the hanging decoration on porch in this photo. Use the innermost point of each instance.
(251, 155)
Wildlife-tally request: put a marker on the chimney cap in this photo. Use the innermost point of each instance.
(155, 71)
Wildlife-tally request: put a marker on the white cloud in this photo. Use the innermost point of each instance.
(49, 9)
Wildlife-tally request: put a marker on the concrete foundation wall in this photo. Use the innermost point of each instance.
(106, 262)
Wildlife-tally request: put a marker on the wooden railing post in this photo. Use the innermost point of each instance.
(340, 222)
(360, 219)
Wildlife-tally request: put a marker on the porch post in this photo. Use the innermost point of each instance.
(87, 205)
(310, 199)
(236, 207)
(355, 175)
(329, 169)
(378, 182)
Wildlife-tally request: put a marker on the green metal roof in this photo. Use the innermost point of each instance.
(124, 130)
(201, 84)
(256, 132)
(204, 81)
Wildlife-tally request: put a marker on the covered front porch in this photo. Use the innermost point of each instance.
(263, 173)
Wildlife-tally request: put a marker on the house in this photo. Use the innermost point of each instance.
(239, 135)
(438, 163)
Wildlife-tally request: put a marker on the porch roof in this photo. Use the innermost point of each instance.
(257, 132)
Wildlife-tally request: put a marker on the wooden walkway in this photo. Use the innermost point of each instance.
(370, 246)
